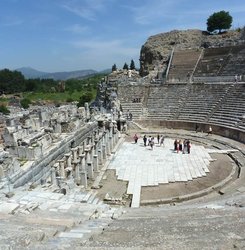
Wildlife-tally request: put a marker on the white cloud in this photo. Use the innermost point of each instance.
(77, 29)
(87, 9)
(105, 47)
(150, 11)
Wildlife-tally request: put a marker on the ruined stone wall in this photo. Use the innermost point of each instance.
(42, 166)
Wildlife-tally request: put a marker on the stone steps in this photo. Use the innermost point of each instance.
(209, 226)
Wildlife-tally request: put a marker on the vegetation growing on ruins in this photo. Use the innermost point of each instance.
(4, 110)
(219, 21)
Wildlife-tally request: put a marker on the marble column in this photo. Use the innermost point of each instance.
(74, 154)
(77, 172)
(68, 160)
(90, 165)
(83, 171)
(53, 176)
(104, 152)
(80, 150)
(62, 168)
(95, 163)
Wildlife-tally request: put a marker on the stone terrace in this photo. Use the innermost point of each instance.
(221, 104)
(223, 61)
(183, 64)
(231, 109)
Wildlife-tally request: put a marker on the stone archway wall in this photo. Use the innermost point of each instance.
(231, 133)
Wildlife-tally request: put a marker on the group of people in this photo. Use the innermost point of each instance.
(184, 147)
(150, 141)
(179, 146)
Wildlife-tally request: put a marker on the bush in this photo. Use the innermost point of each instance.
(4, 110)
(69, 99)
(25, 103)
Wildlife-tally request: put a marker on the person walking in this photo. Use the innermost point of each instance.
(152, 143)
(145, 140)
(210, 130)
(136, 138)
(158, 139)
(175, 145)
(162, 141)
(188, 146)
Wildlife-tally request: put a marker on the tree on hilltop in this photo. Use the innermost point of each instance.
(132, 65)
(125, 66)
(114, 67)
(219, 21)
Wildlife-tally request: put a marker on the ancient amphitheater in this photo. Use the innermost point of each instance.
(75, 178)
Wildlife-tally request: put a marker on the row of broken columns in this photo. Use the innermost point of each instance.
(87, 158)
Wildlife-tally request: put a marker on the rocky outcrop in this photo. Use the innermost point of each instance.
(155, 53)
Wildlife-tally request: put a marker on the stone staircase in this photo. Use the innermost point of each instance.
(183, 64)
(45, 220)
(203, 226)
(136, 109)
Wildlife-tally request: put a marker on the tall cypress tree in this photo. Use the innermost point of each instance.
(132, 65)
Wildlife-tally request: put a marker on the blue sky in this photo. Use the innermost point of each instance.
(65, 35)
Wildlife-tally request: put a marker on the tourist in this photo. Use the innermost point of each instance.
(175, 145)
(236, 77)
(152, 143)
(210, 130)
(188, 146)
(149, 141)
(130, 116)
(184, 147)
(136, 138)
(162, 141)
(145, 140)
(158, 138)
(180, 145)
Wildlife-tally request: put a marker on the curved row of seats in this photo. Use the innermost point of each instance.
(219, 104)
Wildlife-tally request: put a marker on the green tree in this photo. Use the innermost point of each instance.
(219, 21)
(11, 81)
(86, 97)
(114, 67)
(125, 66)
(132, 65)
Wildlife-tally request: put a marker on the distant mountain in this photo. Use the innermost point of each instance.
(33, 73)
(29, 72)
(69, 74)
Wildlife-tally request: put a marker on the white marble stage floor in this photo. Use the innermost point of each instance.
(142, 166)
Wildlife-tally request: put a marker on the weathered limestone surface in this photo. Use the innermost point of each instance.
(156, 51)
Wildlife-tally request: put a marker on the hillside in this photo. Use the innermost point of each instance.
(156, 51)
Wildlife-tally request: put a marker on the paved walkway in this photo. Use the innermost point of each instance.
(142, 166)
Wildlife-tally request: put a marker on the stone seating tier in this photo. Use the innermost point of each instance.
(134, 108)
(183, 64)
(223, 61)
(206, 103)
